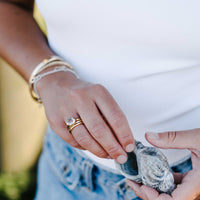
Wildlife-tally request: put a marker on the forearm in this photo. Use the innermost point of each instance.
(22, 43)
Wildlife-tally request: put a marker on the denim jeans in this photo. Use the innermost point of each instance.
(64, 174)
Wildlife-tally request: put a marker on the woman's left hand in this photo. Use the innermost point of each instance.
(188, 184)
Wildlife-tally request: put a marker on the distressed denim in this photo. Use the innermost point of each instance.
(64, 174)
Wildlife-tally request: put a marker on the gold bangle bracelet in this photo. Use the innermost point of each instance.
(46, 63)
(53, 61)
(40, 66)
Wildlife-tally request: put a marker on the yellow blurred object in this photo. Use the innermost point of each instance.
(38, 17)
(23, 122)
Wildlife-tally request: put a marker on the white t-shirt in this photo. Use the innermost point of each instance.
(146, 53)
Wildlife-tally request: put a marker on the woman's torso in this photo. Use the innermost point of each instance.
(146, 53)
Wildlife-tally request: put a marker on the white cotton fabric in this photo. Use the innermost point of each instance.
(146, 53)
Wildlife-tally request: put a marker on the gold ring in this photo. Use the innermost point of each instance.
(72, 123)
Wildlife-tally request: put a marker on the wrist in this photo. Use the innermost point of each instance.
(62, 79)
(42, 70)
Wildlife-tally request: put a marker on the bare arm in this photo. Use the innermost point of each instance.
(22, 43)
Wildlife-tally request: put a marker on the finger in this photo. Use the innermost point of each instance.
(115, 118)
(195, 158)
(175, 139)
(181, 192)
(197, 197)
(136, 188)
(85, 140)
(58, 124)
(149, 192)
(100, 131)
(163, 196)
(152, 194)
(189, 188)
(60, 128)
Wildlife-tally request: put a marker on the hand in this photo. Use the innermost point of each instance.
(188, 184)
(105, 132)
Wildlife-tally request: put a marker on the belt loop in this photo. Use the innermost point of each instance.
(88, 167)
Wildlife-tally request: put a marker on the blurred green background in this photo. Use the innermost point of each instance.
(22, 127)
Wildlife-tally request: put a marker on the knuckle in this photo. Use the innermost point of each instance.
(171, 136)
(74, 144)
(83, 140)
(77, 94)
(98, 130)
(126, 138)
(69, 140)
(114, 150)
(118, 119)
(101, 154)
(99, 87)
(78, 97)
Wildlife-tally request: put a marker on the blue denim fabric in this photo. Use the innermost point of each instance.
(63, 174)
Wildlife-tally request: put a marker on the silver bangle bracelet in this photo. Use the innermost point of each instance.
(40, 76)
(45, 64)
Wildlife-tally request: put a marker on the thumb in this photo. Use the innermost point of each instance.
(175, 139)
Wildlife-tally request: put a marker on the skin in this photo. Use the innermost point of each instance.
(105, 132)
(188, 184)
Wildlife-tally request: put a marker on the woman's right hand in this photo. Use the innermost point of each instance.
(105, 132)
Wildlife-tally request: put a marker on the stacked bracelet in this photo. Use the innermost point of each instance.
(35, 76)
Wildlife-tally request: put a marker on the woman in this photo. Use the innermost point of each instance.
(139, 67)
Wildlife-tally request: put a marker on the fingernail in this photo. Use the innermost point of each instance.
(153, 136)
(130, 147)
(121, 159)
